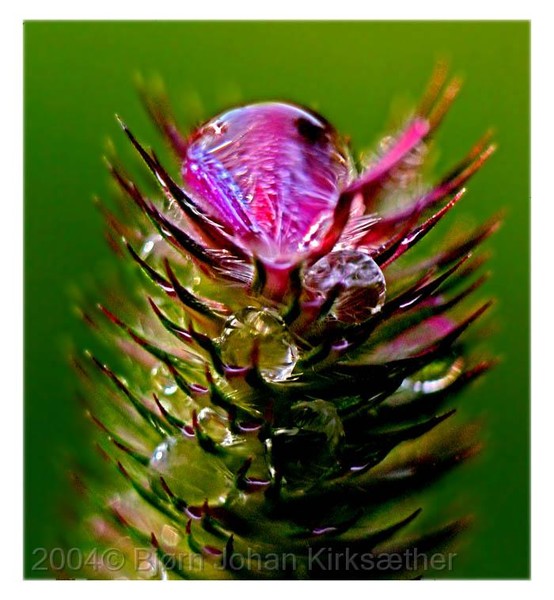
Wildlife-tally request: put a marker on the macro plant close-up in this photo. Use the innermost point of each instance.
(301, 352)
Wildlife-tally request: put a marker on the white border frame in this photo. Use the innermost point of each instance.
(542, 312)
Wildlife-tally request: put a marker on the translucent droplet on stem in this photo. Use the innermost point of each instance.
(435, 376)
(363, 286)
(149, 245)
(307, 449)
(214, 425)
(163, 381)
(191, 474)
(319, 416)
(277, 352)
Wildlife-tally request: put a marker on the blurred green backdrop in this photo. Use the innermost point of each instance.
(78, 74)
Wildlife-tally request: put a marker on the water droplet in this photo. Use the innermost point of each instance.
(271, 169)
(190, 473)
(149, 245)
(277, 352)
(306, 450)
(170, 536)
(364, 286)
(214, 425)
(163, 381)
(435, 376)
(321, 417)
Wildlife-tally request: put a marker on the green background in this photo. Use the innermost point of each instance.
(78, 74)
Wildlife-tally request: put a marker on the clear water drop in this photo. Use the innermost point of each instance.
(319, 416)
(364, 285)
(214, 425)
(170, 535)
(436, 376)
(277, 352)
(190, 473)
(149, 245)
(307, 449)
(163, 381)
